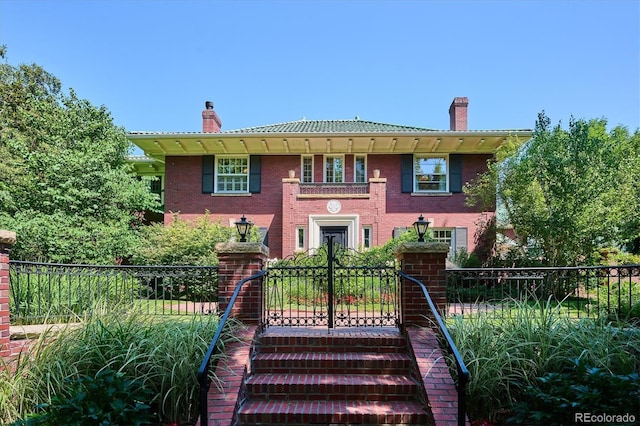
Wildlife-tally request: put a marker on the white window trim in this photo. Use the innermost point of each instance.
(302, 157)
(355, 170)
(304, 238)
(324, 166)
(415, 182)
(215, 182)
(370, 229)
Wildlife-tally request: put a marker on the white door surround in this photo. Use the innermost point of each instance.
(350, 221)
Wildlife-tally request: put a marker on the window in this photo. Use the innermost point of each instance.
(307, 169)
(430, 174)
(360, 169)
(300, 238)
(367, 235)
(232, 174)
(445, 236)
(333, 169)
(442, 235)
(155, 185)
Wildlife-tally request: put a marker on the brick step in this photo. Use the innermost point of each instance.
(331, 387)
(328, 362)
(279, 412)
(335, 343)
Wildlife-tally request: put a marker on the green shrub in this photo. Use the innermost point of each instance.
(463, 259)
(555, 398)
(184, 242)
(106, 399)
(614, 256)
(620, 300)
(65, 238)
(385, 254)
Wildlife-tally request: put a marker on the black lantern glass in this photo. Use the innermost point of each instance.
(421, 226)
(243, 226)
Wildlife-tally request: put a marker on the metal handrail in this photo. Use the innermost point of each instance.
(203, 371)
(463, 372)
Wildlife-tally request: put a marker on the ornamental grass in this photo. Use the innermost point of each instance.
(157, 356)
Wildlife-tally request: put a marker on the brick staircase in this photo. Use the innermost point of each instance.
(355, 376)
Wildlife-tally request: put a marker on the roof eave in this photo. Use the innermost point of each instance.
(429, 133)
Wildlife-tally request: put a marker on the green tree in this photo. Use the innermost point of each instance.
(65, 186)
(567, 192)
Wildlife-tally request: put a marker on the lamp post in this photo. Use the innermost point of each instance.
(243, 226)
(421, 226)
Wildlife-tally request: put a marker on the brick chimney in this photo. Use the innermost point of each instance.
(458, 113)
(210, 121)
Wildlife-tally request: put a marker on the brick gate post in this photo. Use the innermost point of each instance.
(7, 239)
(426, 262)
(239, 261)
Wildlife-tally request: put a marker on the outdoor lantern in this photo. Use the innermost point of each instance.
(243, 228)
(421, 226)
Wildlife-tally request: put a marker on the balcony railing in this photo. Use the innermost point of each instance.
(334, 188)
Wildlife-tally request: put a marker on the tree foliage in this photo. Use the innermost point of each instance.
(568, 192)
(65, 186)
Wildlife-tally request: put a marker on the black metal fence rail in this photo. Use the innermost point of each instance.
(204, 371)
(461, 367)
(589, 291)
(59, 292)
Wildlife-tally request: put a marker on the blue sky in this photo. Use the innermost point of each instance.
(153, 64)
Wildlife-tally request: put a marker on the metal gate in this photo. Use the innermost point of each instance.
(332, 287)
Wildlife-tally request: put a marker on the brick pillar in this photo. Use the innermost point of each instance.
(425, 262)
(239, 261)
(290, 191)
(7, 239)
(378, 204)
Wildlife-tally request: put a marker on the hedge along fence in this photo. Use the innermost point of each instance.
(49, 292)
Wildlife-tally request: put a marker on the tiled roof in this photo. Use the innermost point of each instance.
(329, 126)
(323, 127)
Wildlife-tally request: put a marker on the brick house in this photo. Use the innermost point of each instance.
(300, 181)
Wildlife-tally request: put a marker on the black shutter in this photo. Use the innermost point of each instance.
(254, 174)
(264, 234)
(406, 172)
(455, 173)
(208, 165)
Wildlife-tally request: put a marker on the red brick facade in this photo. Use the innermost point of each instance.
(280, 208)
(256, 171)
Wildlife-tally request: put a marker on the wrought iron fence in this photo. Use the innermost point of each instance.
(588, 291)
(316, 291)
(57, 292)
